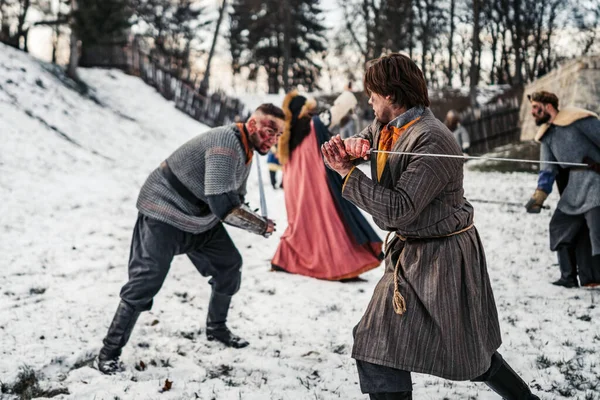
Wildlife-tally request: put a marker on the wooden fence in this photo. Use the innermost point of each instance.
(214, 109)
(492, 125)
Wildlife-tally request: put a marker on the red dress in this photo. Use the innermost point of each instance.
(317, 242)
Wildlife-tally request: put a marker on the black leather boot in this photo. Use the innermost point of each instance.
(588, 265)
(568, 267)
(216, 329)
(508, 384)
(116, 338)
(594, 262)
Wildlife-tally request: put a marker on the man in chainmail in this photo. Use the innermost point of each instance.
(182, 208)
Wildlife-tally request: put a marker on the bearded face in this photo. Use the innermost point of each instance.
(540, 113)
(264, 131)
(382, 107)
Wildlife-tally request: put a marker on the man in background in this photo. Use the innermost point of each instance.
(461, 135)
(570, 135)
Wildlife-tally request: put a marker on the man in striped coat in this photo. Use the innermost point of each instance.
(433, 311)
(182, 207)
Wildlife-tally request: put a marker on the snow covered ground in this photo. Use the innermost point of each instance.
(70, 170)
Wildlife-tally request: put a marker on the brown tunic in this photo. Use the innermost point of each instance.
(450, 328)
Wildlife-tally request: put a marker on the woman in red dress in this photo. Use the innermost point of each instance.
(327, 237)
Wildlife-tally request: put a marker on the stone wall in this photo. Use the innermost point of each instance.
(576, 83)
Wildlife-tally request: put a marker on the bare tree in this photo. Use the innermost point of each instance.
(74, 46)
(286, 44)
(205, 81)
(452, 23)
(56, 16)
(586, 20)
(376, 27)
(475, 51)
(430, 23)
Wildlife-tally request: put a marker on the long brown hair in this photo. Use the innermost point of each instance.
(398, 76)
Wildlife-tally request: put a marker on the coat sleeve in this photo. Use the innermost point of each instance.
(368, 133)
(546, 154)
(423, 180)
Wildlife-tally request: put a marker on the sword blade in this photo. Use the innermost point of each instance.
(571, 164)
(261, 189)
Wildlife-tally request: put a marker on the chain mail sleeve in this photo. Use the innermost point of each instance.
(221, 163)
(224, 184)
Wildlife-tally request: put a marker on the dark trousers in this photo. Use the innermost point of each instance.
(273, 176)
(385, 383)
(580, 236)
(155, 244)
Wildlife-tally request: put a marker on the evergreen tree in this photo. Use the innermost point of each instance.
(102, 21)
(102, 26)
(172, 26)
(274, 35)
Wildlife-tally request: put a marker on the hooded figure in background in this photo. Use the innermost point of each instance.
(327, 237)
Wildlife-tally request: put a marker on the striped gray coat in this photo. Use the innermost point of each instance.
(450, 327)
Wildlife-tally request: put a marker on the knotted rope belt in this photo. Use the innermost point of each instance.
(398, 300)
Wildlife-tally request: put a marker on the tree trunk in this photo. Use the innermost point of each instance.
(21, 32)
(273, 78)
(495, 32)
(476, 44)
(538, 42)
(450, 71)
(205, 81)
(423, 22)
(74, 51)
(517, 42)
(369, 42)
(55, 39)
(411, 29)
(286, 20)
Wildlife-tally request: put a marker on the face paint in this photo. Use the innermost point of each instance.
(267, 132)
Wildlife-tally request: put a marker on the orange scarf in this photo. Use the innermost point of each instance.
(387, 139)
(247, 147)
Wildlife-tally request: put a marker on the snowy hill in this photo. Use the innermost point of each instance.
(71, 166)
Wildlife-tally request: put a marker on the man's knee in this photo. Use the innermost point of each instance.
(229, 277)
(144, 283)
(235, 263)
(138, 295)
(231, 266)
(228, 283)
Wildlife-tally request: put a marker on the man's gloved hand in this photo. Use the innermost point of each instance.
(593, 165)
(270, 228)
(534, 205)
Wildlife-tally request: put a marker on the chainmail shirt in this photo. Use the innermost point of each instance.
(209, 164)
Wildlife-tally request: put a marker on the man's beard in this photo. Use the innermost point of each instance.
(257, 144)
(542, 119)
(385, 117)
